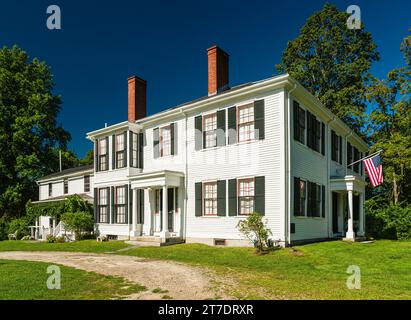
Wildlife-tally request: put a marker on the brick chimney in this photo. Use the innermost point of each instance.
(137, 88)
(217, 70)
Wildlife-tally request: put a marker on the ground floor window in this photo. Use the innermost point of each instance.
(210, 198)
(245, 196)
(120, 204)
(103, 205)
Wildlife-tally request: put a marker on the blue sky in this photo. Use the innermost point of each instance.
(101, 43)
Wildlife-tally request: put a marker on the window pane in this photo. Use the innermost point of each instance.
(210, 127)
(165, 141)
(120, 142)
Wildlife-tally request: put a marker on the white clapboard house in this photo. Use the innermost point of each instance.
(192, 172)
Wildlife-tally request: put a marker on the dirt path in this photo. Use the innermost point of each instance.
(180, 280)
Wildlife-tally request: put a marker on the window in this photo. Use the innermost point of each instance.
(353, 155)
(65, 186)
(134, 151)
(335, 147)
(210, 198)
(314, 200)
(120, 204)
(87, 183)
(210, 130)
(103, 205)
(300, 194)
(299, 123)
(246, 123)
(314, 128)
(50, 189)
(165, 141)
(246, 196)
(120, 151)
(103, 154)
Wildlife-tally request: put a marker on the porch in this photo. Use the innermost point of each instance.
(157, 210)
(347, 203)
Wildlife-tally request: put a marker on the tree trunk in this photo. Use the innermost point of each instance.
(395, 191)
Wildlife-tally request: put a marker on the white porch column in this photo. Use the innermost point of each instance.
(134, 213)
(361, 229)
(164, 227)
(350, 232)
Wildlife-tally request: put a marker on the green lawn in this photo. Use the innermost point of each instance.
(77, 246)
(26, 280)
(316, 271)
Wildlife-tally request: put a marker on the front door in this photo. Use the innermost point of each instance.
(170, 199)
(335, 212)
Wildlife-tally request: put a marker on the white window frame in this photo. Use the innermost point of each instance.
(210, 133)
(246, 197)
(212, 199)
(165, 145)
(250, 124)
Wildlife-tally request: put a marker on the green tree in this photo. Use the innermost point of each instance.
(29, 132)
(332, 62)
(88, 159)
(390, 126)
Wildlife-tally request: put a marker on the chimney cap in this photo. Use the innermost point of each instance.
(217, 48)
(130, 78)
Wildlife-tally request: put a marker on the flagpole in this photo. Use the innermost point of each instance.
(378, 152)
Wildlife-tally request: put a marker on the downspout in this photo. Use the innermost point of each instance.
(288, 168)
(346, 142)
(185, 173)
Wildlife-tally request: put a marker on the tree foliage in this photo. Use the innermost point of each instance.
(78, 222)
(29, 132)
(332, 62)
(390, 126)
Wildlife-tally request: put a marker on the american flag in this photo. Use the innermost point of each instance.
(374, 170)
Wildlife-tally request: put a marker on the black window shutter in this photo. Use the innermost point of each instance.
(140, 150)
(96, 205)
(232, 125)
(140, 193)
(156, 143)
(221, 128)
(172, 137)
(113, 153)
(297, 196)
(232, 197)
(199, 199)
(111, 204)
(260, 195)
(130, 149)
(340, 149)
(127, 204)
(334, 146)
(296, 120)
(131, 203)
(96, 158)
(322, 138)
(310, 199)
(125, 148)
(323, 201)
(309, 129)
(349, 154)
(221, 198)
(259, 118)
(198, 135)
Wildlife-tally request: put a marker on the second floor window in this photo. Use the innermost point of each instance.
(103, 155)
(210, 130)
(120, 204)
(50, 189)
(134, 151)
(210, 198)
(87, 183)
(120, 151)
(299, 123)
(314, 133)
(246, 123)
(66, 186)
(245, 196)
(336, 147)
(165, 141)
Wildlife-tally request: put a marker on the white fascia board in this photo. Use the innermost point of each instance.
(69, 175)
(113, 128)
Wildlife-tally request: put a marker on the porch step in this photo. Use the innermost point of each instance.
(154, 241)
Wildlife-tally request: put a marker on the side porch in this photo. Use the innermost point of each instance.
(347, 218)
